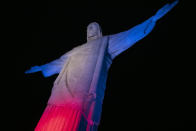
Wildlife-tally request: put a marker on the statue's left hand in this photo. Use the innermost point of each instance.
(33, 69)
(164, 10)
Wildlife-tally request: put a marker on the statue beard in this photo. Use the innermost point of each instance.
(93, 37)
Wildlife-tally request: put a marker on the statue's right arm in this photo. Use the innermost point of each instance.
(51, 68)
(122, 41)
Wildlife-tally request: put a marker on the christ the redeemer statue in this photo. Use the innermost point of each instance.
(76, 99)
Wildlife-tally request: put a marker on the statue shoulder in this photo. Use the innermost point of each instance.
(75, 50)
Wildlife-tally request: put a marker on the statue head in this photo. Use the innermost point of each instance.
(93, 31)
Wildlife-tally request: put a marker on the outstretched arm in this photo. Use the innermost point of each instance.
(50, 68)
(124, 40)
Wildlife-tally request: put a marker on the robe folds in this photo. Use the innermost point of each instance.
(82, 79)
(83, 72)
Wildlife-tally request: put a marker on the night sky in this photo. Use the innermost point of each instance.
(146, 86)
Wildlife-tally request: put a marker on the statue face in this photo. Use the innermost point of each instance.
(93, 31)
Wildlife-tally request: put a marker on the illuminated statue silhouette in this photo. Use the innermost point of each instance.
(76, 100)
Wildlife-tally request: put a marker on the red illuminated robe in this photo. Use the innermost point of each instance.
(78, 91)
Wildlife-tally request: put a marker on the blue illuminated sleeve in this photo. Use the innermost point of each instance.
(124, 40)
(53, 67)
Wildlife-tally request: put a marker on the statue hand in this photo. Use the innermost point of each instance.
(164, 10)
(33, 69)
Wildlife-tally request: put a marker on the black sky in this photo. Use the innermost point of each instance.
(146, 87)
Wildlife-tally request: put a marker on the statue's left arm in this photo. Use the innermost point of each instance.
(122, 41)
(51, 68)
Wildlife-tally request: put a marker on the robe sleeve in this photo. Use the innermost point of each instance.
(54, 67)
(124, 40)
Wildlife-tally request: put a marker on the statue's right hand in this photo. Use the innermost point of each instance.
(33, 69)
(164, 10)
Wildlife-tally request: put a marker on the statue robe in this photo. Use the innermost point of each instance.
(83, 70)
